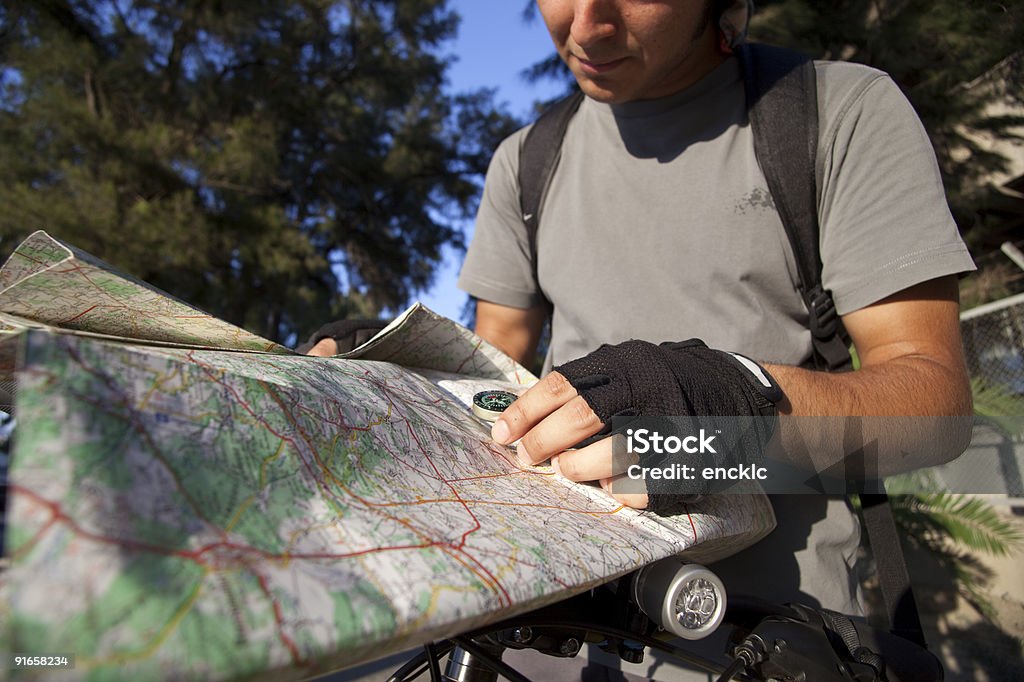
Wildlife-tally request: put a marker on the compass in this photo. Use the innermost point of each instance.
(488, 405)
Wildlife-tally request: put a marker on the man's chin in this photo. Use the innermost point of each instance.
(604, 93)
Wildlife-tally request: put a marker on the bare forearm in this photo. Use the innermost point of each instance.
(908, 386)
(908, 413)
(514, 331)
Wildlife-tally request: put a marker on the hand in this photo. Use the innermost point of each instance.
(324, 348)
(341, 336)
(579, 399)
(551, 417)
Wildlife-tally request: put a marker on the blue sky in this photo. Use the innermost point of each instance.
(493, 46)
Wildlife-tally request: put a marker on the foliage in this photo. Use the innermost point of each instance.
(968, 521)
(951, 528)
(277, 162)
(998, 406)
(989, 283)
(551, 67)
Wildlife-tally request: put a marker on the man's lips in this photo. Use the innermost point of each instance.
(596, 67)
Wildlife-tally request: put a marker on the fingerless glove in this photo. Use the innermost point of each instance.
(685, 379)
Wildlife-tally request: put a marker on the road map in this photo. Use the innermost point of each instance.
(180, 509)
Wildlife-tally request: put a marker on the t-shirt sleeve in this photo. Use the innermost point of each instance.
(885, 223)
(498, 265)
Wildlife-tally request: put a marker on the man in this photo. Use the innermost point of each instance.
(658, 226)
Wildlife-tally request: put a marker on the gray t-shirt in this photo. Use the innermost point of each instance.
(658, 225)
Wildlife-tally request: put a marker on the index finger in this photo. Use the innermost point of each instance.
(540, 400)
(324, 348)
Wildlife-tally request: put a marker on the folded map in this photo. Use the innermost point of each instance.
(189, 500)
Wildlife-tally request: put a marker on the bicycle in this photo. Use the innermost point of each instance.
(669, 600)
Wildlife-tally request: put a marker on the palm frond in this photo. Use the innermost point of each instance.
(996, 404)
(966, 521)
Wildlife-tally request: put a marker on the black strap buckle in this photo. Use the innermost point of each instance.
(824, 322)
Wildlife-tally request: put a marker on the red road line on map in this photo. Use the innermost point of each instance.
(84, 312)
(241, 401)
(409, 342)
(396, 456)
(369, 505)
(504, 474)
(326, 471)
(686, 509)
(60, 515)
(508, 460)
(476, 521)
(494, 579)
(383, 385)
(143, 433)
(551, 506)
(410, 398)
(365, 502)
(28, 258)
(78, 268)
(285, 639)
(195, 555)
(461, 546)
(30, 543)
(517, 560)
(469, 357)
(323, 467)
(499, 503)
(455, 492)
(120, 303)
(444, 546)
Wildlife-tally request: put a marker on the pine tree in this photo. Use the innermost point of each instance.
(279, 163)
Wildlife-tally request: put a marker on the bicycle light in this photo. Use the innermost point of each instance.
(688, 600)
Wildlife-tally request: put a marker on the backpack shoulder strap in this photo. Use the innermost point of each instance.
(782, 105)
(891, 566)
(537, 160)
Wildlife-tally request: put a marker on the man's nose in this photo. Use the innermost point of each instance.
(593, 21)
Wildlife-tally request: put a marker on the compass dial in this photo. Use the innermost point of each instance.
(489, 405)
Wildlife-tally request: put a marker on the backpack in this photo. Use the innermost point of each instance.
(782, 105)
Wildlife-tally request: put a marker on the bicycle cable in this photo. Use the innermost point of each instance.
(432, 656)
(737, 666)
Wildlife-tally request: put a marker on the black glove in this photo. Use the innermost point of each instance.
(348, 334)
(686, 379)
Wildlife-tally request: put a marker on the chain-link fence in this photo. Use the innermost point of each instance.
(993, 335)
(994, 343)
(992, 324)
